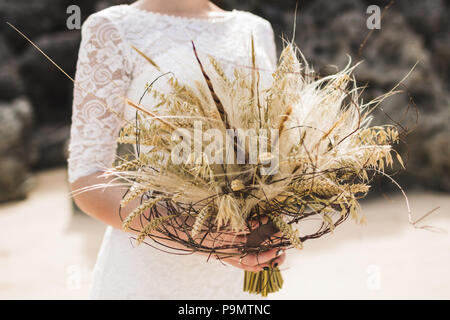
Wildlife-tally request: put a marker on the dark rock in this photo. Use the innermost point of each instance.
(11, 85)
(425, 17)
(441, 57)
(438, 149)
(15, 181)
(15, 120)
(428, 150)
(49, 143)
(50, 91)
(391, 54)
(34, 18)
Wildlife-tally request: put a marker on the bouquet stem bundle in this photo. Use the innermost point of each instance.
(263, 282)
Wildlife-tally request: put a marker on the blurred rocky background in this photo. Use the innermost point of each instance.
(35, 98)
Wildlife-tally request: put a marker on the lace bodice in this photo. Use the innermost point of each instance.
(109, 69)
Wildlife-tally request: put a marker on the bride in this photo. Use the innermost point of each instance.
(108, 70)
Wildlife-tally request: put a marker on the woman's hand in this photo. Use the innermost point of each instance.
(246, 261)
(259, 261)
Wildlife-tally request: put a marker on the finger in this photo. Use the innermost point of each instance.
(246, 231)
(236, 239)
(220, 240)
(260, 258)
(272, 264)
(236, 264)
(279, 260)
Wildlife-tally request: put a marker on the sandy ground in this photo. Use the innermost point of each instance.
(47, 252)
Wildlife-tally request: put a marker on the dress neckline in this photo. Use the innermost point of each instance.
(216, 17)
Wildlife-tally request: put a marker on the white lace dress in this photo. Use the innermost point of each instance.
(108, 70)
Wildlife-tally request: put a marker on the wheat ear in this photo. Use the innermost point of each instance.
(138, 211)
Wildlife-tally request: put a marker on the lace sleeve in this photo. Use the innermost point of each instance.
(101, 81)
